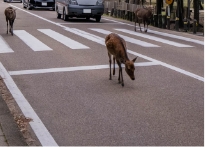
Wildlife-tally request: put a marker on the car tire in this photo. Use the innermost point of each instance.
(65, 17)
(29, 8)
(58, 15)
(98, 18)
(87, 18)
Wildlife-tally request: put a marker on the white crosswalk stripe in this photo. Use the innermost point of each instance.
(4, 47)
(37, 45)
(177, 37)
(154, 38)
(31, 41)
(128, 39)
(63, 39)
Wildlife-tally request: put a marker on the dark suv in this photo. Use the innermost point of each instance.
(46, 4)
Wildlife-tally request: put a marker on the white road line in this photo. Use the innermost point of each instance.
(31, 41)
(85, 23)
(168, 66)
(154, 38)
(177, 37)
(37, 125)
(63, 39)
(100, 41)
(119, 22)
(86, 35)
(163, 34)
(66, 69)
(51, 140)
(4, 47)
(128, 39)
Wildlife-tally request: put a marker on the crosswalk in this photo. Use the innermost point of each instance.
(36, 44)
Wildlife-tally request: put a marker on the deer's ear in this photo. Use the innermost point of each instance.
(134, 59)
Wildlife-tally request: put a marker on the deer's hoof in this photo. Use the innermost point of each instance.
(122, 84)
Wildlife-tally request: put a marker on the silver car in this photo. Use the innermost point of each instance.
(80, 9)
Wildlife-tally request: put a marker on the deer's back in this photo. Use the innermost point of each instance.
(143, 13)
(10, 13)
(115, 44)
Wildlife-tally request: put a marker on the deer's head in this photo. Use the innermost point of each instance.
(130, 68)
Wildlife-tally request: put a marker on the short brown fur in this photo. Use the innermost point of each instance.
(10, 14)
(116, 46)
(144, 15)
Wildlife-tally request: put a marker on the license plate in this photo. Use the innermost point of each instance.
(86, 10)
(44, 4)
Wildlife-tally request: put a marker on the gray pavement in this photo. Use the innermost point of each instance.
(9, 132)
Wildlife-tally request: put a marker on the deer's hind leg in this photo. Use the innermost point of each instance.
(113, 65)
(11, 26)
(110, 62)
(140, 27)
(7, 25)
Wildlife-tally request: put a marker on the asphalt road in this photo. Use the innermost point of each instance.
(58, 73)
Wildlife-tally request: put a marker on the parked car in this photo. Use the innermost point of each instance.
(10, 1)
(80, 9)
(36, 4)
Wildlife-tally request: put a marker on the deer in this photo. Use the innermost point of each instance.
(10, 14)
(143, 14)
(116, 47)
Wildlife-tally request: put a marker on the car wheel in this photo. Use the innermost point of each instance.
(65, 17)
(29, 7)
(58, 15)
(98, 18)
(87, 18)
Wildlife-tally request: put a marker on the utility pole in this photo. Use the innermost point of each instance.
(196, 10)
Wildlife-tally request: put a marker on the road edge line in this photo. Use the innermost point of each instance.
(37, 125)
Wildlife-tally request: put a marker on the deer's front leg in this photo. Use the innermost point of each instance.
(140, 27)
(11, 27)
(110, 61)
(119, 64)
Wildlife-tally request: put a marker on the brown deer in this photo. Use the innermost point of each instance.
(116, 46)
(10, 14)
(144, 15)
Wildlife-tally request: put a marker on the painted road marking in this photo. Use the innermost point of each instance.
(4, 47)
(154, 38)
(163, 34)
(49, 140)
(128, 39)
(31, 41)
(131, 52)
(66, 69)
(85, 23)
(37, 125)
(86, 35)
(63, 39)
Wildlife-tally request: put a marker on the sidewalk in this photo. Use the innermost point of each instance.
(3, 141)
(9, 132)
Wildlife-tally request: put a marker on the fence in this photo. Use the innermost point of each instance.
(122, 9)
